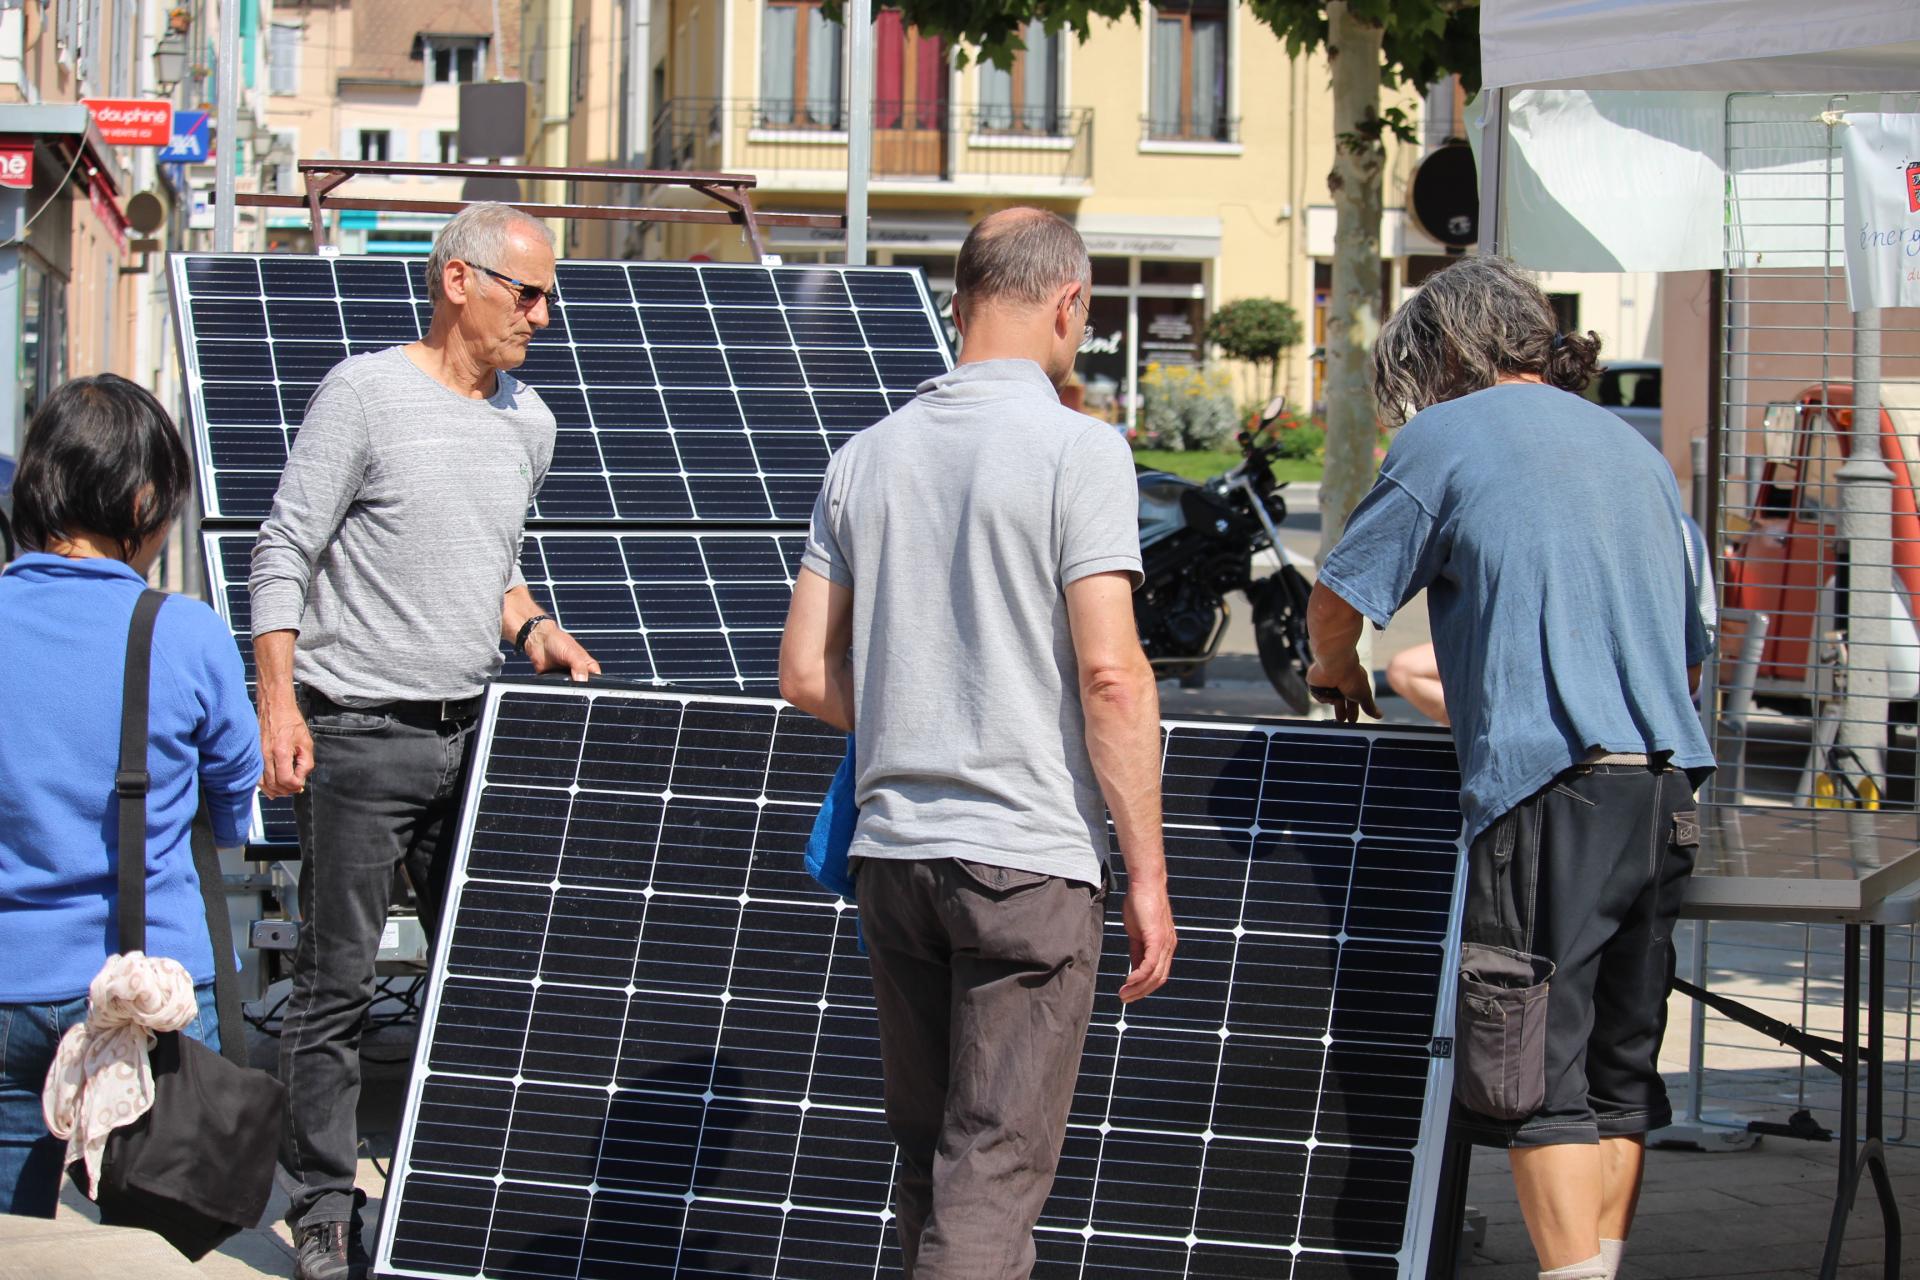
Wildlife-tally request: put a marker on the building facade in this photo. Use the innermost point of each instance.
(376, 80)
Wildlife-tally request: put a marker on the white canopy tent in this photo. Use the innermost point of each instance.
(1603, 128)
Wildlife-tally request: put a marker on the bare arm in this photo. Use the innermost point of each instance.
(1336, 677)
(549, 648)
(285, 744)
(1122, 706)
(816, 672)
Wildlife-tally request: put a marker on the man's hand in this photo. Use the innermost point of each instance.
(285, 745)
(1348, 690)
(551, 649)
(1150, 939)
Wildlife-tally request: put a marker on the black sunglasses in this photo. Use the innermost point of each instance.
(528, 294)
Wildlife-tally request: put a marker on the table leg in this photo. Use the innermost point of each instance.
(1849, 1162)
(1873, 1156)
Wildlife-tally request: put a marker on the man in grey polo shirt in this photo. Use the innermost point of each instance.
(966, 600)
(383, 585)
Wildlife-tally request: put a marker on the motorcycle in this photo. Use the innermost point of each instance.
(1198, 541)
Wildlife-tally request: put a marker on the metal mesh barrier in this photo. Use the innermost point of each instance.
(1818, 544)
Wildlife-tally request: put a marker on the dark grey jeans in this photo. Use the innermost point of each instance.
(983, 977)
(382, 795)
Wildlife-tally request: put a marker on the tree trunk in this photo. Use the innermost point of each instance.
(1353, 320)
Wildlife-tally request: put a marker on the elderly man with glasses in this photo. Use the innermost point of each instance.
(383, 585)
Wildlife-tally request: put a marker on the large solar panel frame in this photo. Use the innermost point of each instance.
(708, 393)
(696, 608)
(763, 1152)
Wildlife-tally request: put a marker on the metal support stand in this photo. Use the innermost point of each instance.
(1860, 1154)
(731, 191)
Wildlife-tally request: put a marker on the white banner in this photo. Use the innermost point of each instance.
(1882, 230)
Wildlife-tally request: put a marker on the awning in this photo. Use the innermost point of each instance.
(67, 127)
(1780, 46)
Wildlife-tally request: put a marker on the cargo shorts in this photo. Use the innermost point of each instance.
(1568, 956)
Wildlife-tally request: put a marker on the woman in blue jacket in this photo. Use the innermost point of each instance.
(102, 476)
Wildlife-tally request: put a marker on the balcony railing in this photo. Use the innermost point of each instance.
(983, 146)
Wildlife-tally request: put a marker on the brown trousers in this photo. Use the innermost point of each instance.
(984, 980)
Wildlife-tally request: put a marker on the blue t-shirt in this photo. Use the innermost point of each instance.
(1548, 538)
(63, 649)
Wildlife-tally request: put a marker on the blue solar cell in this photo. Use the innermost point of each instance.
(739, 286)
(634, 353)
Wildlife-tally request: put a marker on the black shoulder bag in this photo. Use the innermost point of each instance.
(198, 1167)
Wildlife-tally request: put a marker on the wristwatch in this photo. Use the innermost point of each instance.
(526, 630)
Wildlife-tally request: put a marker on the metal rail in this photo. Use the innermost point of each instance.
(732, 191)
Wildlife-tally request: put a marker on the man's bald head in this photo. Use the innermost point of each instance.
(1019, 257)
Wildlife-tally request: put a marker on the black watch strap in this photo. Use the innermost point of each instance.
(526, 630)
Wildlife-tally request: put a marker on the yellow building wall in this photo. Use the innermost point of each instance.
(1254, 194)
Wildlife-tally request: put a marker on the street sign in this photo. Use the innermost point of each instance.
(191, 142)
(16, 165)
(133, 122)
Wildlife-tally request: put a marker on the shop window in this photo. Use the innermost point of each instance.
(1111, 273)
(1170, 272)
(376, 144)
(800, 70)
(1187, 84)
(1025, 98)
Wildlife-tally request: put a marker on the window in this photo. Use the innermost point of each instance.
(800, 71)
(1188, 78)
(455, 59)
(376, 144)
(449, 152)
(283, 58)
(123, 50)
(1026, 97)
(1566, 311)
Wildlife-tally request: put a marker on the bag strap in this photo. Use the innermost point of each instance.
(131, 784)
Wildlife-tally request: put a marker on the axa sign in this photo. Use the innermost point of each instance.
(133, 122)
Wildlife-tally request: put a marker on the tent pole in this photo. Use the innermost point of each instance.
(1493, 135)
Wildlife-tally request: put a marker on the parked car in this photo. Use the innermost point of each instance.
(1631, 389)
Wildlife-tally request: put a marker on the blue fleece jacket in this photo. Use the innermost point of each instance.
(63, 645)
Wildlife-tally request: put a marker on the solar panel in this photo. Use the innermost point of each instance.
(650, 1049)
(700, 608)
(682, 392)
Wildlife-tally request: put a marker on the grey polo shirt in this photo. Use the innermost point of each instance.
(958, 522)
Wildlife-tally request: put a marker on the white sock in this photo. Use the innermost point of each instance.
(1612, 1252)
(1594, 1268)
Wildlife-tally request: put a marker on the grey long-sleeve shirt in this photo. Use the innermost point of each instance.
(395, 532)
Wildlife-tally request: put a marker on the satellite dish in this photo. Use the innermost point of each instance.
(1444, 196)
(146, 212)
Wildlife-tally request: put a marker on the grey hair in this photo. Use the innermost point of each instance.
(477, 234)
(1469, 325)
(1019, 255)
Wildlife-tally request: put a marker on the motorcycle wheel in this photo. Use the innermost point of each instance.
(1280, 634)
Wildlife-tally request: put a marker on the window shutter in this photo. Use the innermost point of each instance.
(349, 144)
(396, 150)
(429, 146)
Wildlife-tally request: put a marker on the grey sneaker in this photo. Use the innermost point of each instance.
(329, 1251)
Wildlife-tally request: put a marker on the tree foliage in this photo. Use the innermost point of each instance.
(1257, 330)
(1424, 40)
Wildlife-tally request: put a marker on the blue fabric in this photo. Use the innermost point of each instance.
(1547, 535)
(63, 647)
(31, 1159)
(833, 831)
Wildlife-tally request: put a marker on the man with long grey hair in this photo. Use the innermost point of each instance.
(1547, 535)
(383, 585)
